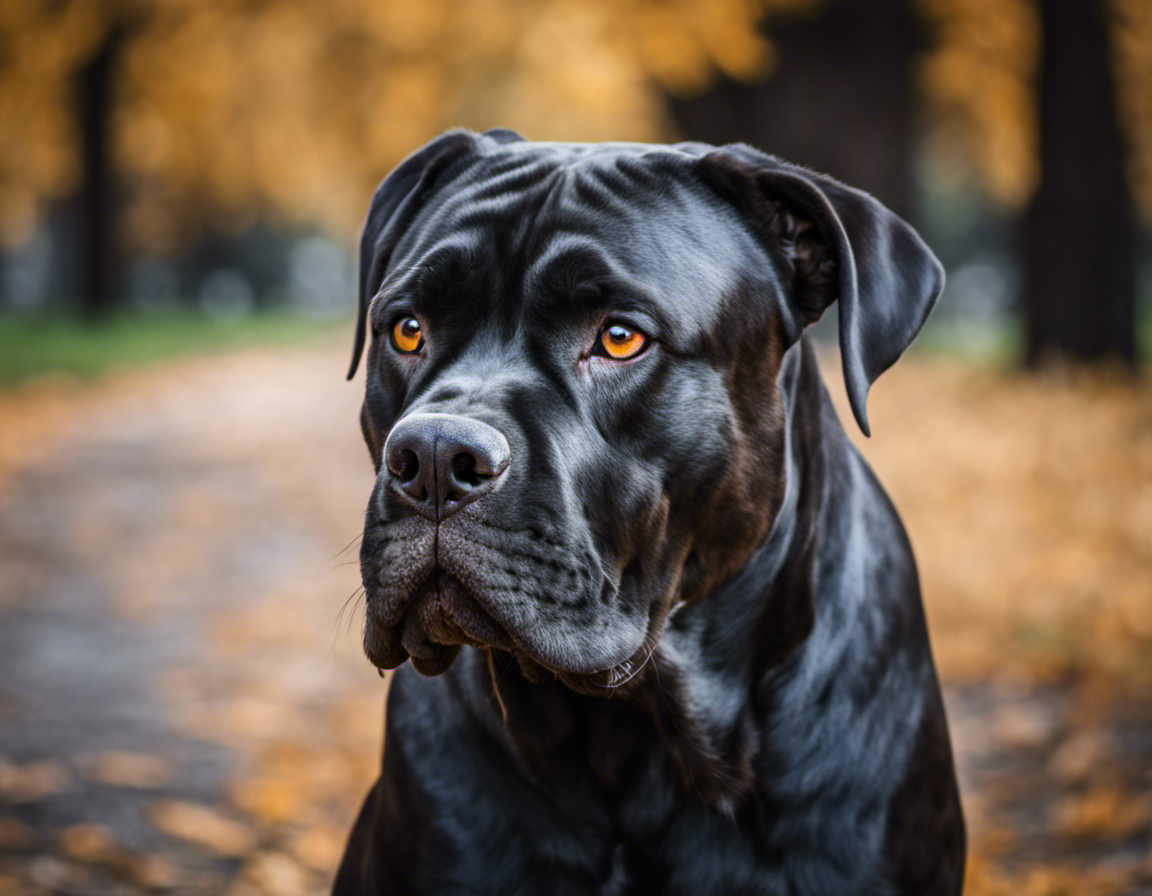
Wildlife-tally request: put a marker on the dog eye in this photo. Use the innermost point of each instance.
(407, 336)
(620, 343)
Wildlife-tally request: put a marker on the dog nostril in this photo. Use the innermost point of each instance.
(464, 470)
(409, 466)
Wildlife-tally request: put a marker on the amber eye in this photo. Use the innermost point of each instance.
(407, 335)
(620, 343)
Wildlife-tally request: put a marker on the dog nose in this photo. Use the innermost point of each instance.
(440, 462)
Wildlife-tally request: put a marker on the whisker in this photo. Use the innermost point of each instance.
(347, 547)
(496, 687)
(634, 672)
(353, 599)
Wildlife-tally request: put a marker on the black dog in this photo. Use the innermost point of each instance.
(679, 619)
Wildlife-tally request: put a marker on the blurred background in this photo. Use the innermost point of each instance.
(183, 706)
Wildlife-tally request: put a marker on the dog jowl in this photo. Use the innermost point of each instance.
(665, 625)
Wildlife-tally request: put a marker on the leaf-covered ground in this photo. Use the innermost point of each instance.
(184, 707)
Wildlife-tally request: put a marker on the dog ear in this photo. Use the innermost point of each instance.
(840, 243)
(393, 207)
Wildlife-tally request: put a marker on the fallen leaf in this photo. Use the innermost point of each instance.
(153, 870)
(1075, 759)
(54, 874)
(319, 847)
(122, 768)
(88, 842)
(276, 874)
(1022, 725)
(11, 885)
(16, 835)
(32, 781)
(204, 826)
(1102, 812)
(270, 799)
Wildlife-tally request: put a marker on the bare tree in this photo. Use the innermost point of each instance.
(841, 99)
(1079, 232)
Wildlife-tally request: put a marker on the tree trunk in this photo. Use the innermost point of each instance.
(1079, 231)
(841, 100)
(96, 193)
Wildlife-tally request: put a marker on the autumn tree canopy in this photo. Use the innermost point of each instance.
(225, 109)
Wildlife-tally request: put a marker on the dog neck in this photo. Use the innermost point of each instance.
(714, 655)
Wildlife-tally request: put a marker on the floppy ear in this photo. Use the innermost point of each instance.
(839, 243)
(395, 204)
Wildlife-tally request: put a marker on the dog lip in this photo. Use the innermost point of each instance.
(416, 641)
(466, 614)
(446, 601)
(444, 613)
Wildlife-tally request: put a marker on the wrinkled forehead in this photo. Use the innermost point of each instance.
(553, 219)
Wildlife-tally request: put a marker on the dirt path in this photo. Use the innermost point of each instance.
(179, 706)
(184, 707)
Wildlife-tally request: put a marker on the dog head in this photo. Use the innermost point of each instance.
(572, 401)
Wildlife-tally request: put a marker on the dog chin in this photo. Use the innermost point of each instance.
(442, 616)
(439, 618)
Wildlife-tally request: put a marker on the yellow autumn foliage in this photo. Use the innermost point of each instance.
(225, 109)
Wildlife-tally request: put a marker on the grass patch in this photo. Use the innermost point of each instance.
(1144, 326)
(999, 344)
(33, 344)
